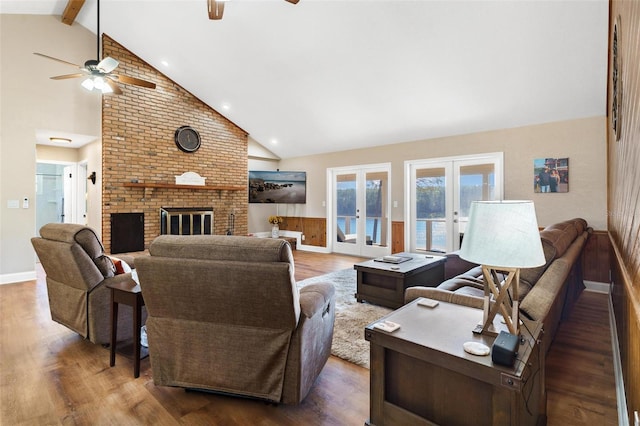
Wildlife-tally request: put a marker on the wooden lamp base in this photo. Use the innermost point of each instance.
(507, 306)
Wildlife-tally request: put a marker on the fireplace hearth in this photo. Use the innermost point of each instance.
(186, 220)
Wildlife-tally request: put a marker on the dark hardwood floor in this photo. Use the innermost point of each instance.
(48, 375)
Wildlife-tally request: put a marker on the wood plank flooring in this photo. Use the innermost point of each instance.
(48, 375)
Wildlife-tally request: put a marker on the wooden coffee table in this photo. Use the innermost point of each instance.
(384, 283)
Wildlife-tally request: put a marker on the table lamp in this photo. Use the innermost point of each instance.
(503, 237)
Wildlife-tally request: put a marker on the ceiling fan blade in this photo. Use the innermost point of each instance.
(107, 65)
(64, 77)
(216, 9)
(114, 86)
(132, 80)
(293, 1)
(56, 59)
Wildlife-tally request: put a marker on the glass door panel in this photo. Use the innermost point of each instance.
(431, 209)
(476, 183)
(376, 207)
(346, 208)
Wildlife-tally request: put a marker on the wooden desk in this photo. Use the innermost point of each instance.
(128, 293)
(420, 374)
(384, 283)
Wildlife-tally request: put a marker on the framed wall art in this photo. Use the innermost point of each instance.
(551, 175)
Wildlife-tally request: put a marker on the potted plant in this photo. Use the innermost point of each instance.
(275, 222)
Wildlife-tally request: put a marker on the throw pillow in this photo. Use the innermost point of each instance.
(105, 265)
(121, 266)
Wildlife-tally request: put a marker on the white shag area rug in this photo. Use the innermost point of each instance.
(351, 317)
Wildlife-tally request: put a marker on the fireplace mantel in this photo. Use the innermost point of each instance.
(175, 186)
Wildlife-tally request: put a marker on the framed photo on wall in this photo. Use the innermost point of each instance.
(551, 175)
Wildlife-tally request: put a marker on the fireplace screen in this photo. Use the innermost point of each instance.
(186, 220)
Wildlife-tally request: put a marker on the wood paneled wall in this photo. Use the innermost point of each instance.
(595, 257)
(397, 237)
(624, 190)
(314, 229)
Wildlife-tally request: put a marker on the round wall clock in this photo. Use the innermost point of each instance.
(187, 138)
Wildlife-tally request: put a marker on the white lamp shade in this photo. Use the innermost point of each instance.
(503, 233)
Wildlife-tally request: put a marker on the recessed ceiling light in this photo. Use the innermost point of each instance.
(226, 107)
(274, 141)
(60, 140)
(165, 63)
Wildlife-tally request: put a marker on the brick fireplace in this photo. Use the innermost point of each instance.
(140, 159)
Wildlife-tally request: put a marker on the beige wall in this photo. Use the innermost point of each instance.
(92, 155)
(582, 141)
(31, 101)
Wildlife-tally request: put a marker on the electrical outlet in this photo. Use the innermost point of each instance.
(302, 237)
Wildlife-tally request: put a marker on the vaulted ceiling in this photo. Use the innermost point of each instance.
(324, 76)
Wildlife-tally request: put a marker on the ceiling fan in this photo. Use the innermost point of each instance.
(216, 8)
(99, 75)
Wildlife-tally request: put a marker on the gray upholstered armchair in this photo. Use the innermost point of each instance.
(77, 272)
(225, 315)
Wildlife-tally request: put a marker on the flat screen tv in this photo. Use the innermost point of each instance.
(277, 187)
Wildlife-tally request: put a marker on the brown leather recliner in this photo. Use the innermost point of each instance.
(225, 315)
(77, 273)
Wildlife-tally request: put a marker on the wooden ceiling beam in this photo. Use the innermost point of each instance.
(71, 11)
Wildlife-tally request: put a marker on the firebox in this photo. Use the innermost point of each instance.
(186, 220)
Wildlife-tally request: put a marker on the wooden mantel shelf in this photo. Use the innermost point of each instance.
(174, 186)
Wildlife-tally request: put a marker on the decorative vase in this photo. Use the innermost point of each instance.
(275, 231)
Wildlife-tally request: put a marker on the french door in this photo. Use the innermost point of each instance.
(360, 215)
(439, 193)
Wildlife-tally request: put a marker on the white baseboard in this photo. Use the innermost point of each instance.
(17, 277)
(315, 249)
(621, 397)
(598, 287)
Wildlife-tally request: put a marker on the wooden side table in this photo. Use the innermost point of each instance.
(421, 375)
(128, 293)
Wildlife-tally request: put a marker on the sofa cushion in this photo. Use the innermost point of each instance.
(470, 291)
(561, 239)
(472, 283)
(530, 276)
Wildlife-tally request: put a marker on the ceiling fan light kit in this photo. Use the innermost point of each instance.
(98, 74)
(216, 8)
